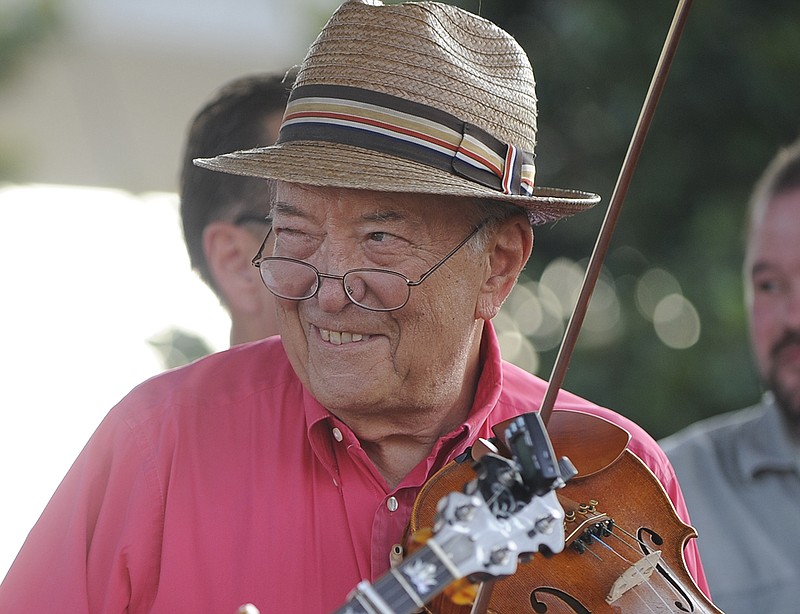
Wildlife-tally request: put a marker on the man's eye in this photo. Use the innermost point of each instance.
(379, 237)
(770, 286)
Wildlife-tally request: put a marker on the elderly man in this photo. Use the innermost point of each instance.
(283, 472)
(741, 470)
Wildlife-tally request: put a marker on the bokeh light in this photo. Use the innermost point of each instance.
(603, 322)
(535, 316)
(652, 287)
(563, 278)
(676, 322)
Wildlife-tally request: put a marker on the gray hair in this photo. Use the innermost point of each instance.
(493, 213)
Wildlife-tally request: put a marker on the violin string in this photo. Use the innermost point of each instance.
(644, 547)
(676, 593)
(679, 596)
(594, 554)
(608, 547)
(501, 491)
(642, 544)
(631, 535)
(640, 598)
(645, 579)
(628, 563)
(496, 495)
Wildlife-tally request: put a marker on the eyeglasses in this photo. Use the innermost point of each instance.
(373, 289)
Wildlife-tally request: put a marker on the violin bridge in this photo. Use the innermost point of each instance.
(635, 575)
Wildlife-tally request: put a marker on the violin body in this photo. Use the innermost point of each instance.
(624, 546)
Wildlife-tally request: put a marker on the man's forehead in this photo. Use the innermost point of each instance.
(774, 239)
(376, 213)
(367, 205)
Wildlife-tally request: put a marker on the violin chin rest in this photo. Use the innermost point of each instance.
(590, 442)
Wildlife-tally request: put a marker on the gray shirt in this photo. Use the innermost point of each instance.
(740, 476)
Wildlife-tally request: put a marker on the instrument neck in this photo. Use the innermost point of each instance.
(407, 587)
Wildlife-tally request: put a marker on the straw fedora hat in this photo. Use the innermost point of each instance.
(416, 97)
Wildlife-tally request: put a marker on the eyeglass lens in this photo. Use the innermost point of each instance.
(370, 288)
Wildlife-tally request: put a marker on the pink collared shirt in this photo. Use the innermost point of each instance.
(225, 482)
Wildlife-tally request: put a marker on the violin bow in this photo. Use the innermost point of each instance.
(614, 207)
(603, 241)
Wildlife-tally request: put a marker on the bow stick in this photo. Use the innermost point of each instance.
(606, 231)
(615, 205)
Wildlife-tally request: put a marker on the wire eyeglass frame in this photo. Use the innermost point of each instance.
(259, 259)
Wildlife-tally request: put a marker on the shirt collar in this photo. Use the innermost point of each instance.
(766, 445)
(490, 384)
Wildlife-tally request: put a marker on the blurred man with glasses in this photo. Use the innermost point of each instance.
(224, 216)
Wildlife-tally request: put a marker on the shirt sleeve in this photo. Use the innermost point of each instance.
(80, 557)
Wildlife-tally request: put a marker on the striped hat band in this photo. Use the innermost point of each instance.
(409, 130)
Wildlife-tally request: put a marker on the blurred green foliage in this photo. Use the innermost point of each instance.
(23, 27)
(730, 102)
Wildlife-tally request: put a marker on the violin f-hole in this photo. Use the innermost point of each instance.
(541, 608)
(655, 538)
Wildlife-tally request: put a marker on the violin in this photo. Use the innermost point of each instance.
(477, 519)
(507, 509)
(624, 542)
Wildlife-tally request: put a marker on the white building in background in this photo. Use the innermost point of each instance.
(105, 100)
(94, 268)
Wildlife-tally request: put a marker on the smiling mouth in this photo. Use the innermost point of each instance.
(340, 338)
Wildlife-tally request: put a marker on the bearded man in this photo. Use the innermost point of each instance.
(740, 472)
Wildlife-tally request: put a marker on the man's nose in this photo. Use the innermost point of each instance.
(331, 295)
(334, 255)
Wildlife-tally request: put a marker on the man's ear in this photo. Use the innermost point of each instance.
(509, 249)
(229, 250)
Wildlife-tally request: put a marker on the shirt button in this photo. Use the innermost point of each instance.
(391, 504)
(337, 434)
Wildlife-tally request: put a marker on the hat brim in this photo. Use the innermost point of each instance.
(344, 166)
